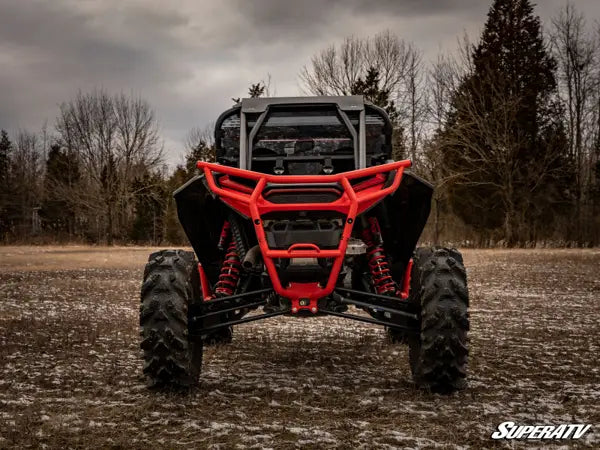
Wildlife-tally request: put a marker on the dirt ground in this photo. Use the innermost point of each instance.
(70, 372)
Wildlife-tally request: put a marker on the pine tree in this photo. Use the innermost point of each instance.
(62, 175)
(109, 186)
(370, 88)
(200, 152)
(504, 145)
(256, 90)
(174, 233)
(5, 148)
(512, 52)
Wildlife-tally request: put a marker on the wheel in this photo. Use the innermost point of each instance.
(438, 356)
(171, 356)
(394, 335)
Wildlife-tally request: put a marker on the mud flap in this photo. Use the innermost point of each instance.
(201, 215)
(402, 217)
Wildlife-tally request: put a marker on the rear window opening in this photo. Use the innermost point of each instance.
(303, 141)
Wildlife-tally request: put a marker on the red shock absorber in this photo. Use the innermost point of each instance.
(378, 264)
(230, 269)
(225, 233)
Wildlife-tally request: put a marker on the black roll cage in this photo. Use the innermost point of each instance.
(262, 106)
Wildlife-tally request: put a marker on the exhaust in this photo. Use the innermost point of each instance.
(253, 260)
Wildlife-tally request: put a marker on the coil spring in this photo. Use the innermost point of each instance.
(225, 232)
(236, 236)
(378, 264)
(230, 272)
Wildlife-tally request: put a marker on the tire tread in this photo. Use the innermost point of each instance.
(439, 355)
(170, 357)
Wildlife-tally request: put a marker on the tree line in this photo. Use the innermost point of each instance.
(507, 127)
(94, 179)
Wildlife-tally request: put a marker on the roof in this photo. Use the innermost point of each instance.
(345, 103)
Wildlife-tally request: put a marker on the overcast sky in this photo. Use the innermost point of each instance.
(189, 57)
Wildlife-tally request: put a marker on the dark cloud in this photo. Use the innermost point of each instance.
(311, 13)
(188, 59)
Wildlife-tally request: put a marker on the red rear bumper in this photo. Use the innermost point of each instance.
(354, 200)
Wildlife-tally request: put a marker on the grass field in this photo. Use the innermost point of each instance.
(70, 372)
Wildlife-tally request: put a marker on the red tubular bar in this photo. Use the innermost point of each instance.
(406, 284)
(204, 284)
(352, 202)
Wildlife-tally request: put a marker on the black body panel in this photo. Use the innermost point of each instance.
(201, 215)
(402, 217)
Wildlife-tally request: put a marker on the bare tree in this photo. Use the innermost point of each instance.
(137, 139)
(413, 99)
(577, 54)
(594, 161)
(115, 138)
(334, 70)
(138, 150)
(442, 81)
(392, 56)
(270, 88)
(337, 70)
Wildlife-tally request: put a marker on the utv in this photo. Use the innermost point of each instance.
(304, 214)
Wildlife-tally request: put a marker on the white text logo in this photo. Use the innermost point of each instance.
(509, 430)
